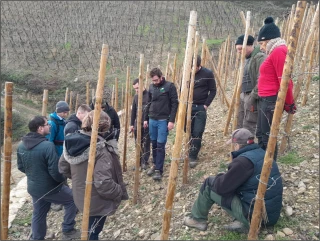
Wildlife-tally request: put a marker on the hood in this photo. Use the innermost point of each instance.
(74, 118)
(32, 139)
(54, 115)
(79, 152)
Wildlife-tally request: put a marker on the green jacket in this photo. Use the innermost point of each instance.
(38, 159)
(257, 58)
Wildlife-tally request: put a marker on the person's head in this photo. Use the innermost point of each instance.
(156, 76)
(241, 138)
(82, 111)
(249, 47)
(135, 85)
(268, 31)
(62, 109)
(40, 125)
(104, 122)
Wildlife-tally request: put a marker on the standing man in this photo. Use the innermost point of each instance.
(248, 111)
(203, 94)
(161, 113)
(145, 138)
(75, 120)
(235, 191)
(57, 122)
(38, 159)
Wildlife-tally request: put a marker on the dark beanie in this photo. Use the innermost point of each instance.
(62, 106)
(241, 38)
(269, 30)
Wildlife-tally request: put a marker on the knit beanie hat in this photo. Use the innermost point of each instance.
(62, 106)
(241, 38)
(269, 30)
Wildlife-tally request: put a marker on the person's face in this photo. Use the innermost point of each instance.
(156, 80)
(136, 87)
(44, 129)
(249, 49)
(263, 45)
(64, 114)
(81, 115)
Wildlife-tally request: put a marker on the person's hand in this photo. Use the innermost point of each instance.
(131, 129)
(290, 109)
(204, 177)
(145, 124)
(205, 107)
(170, 126)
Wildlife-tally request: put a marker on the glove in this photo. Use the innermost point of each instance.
(290, 109)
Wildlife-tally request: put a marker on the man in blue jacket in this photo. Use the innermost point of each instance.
(235, 190)
(38, 159)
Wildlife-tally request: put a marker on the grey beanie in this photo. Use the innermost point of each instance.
(269, 30)
(62, 106)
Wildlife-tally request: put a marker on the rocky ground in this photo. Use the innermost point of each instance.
(299, 166)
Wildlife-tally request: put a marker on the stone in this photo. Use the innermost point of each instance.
(269, 237)
(287, 231)
(301, 190)
(155, 236)
(116, 234)
(203, 233)
(301, 184)
(280, 234)
(289, 211)
(141, 233)
(178, 195)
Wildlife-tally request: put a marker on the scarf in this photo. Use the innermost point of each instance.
(273, 43)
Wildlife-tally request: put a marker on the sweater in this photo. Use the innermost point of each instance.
(204, 89)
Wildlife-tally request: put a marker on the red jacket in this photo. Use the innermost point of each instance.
(270, 75)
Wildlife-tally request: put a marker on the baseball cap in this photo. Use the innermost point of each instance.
(241, 136)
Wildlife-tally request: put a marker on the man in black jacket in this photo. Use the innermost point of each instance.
(145, 138)
(203, 94)
(235, 191)
(38, 159)
(161, 113)
(75, 120)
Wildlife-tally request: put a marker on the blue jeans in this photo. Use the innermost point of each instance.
(41, 208)
(98, 223)
(158, 130)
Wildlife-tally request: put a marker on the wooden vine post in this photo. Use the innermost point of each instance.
(87, 93)
(112, 96)
(138, 140)
(76, 104)
(241, 70)
(190, 99)
(167, 67)
(92, 95)
(276, 120)
(126, 107)
(66, 98)
(122, 98)
(6, 171)
(116, 95)
(44, 103)
(203, 52)
(174, 72)
(93, 142)
(179, 128)
(297, 87)
(70, 103)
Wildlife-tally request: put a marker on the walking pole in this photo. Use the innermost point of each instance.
(7, 147)
(138, 141)
(180, 124)
(190, 99)
(44, 103)
(276, 120)
(93, 142)
(126, 107)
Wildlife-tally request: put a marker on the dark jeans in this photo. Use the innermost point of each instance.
(266, 106)
(41, 208)
(198, 124)
(145, 145)
(96, 224)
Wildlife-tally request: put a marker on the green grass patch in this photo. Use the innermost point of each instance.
(315, 78)
(232, 236)
(25, 220)
(307, 127)
(185, 236)
(223, 166)
(285, 222)
(291, 158)
(214, 219)
(200, 174)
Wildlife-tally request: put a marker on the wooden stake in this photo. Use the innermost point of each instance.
(77, 104)
(66, 98)
(93, 142)
(70, 103)
(276, 120)
(122, 98)
(190, 99)
(44, 103)
(226, 67)
(92, 95)
(138, 141)
(6, 172)
(167, 67)
(112, 96)
(87, 93)
(296, 91)
(174, 73)
(243, 19)
(241, 69)
(203, 52)
(116, 94)
(180, 125)
(126, 107)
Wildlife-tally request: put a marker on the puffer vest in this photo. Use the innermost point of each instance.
(246, 80)
(247, 191)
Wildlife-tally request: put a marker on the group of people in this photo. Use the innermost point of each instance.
(49, 157)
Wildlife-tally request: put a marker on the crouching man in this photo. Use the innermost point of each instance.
(235, 190)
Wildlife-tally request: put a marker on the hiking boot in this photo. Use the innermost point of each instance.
(56, 207)
(72, 234)
(236, 226)
(192, 162)
(151, 171)
(145, 166)
(156, 175)
(192, 223)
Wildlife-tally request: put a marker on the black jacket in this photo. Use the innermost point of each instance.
(163, 102)
(204, 89)
(73, 124)
(134, 113)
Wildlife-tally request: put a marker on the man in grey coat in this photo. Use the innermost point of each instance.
(38, 159)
